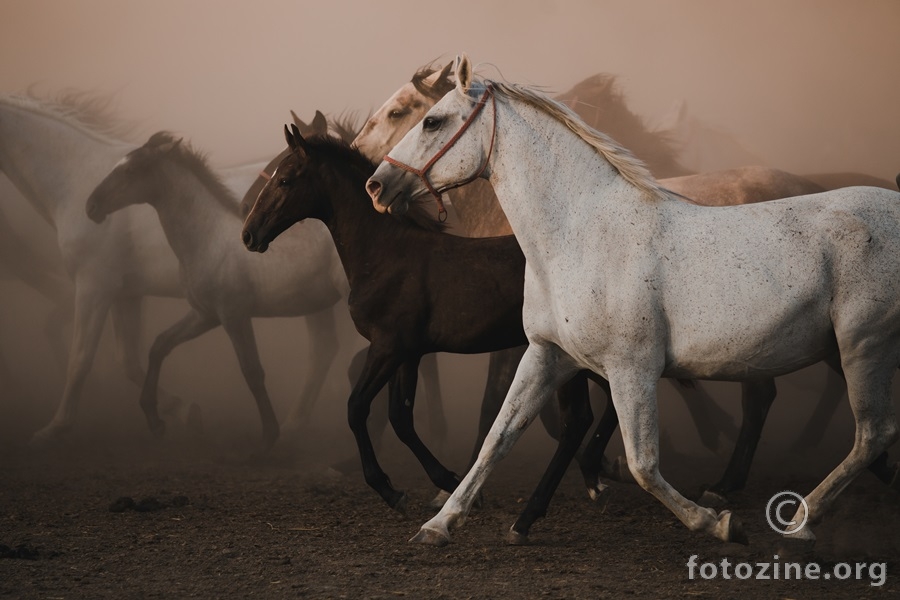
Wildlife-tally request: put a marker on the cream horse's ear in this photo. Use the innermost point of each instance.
(438, 76)
(463, 73)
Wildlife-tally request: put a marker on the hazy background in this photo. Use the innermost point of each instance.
(805, 85)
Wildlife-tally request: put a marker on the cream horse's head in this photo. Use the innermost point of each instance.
(450, 147)
(402, 111)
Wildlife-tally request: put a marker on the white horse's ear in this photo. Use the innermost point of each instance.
(463, 73)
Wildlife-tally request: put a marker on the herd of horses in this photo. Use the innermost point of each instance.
(575, 265)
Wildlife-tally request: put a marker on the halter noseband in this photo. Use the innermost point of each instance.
(422, 173)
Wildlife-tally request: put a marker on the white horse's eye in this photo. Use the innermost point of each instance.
(431, 123)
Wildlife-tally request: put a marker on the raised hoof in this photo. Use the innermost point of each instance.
(599, 492)
(514, 538)
(431, 537)
(711, 499)
(729, 528)
(439, 500)
(796, 548)
(400, 504)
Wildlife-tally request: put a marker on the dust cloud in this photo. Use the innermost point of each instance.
(808, 86)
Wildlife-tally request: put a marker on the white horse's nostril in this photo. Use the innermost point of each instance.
(373, 187)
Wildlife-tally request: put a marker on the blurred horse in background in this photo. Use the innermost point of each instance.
(56, 152)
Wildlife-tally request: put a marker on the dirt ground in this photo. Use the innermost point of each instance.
(217, 521)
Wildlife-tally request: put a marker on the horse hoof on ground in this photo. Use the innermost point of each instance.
(730, 529)
(711, 499)
(46, 437)
(514, 538)
(400, 504)
(439, 500)
(796, 548)
(431, 537)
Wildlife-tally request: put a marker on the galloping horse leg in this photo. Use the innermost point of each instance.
(869, 390)
(91, 308)
(756, 399)
(709, 418)
(543, 369)
(502, 367)
(593, 461)
(634, 395)
(835, 388)
(126, 318)
(321, 348)
(437, 420)
(402, 403)
(575, 408)
(378, 418)
(381, 364)
(187, 328)
(243, 340)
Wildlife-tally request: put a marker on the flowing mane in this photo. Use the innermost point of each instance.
(626, 163)
(89, 114)
(198, 164)
(436, 91)
(421, 210)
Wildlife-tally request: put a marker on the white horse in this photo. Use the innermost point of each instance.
(479, 214)
(626, 280)
(226, 285)
(55, 153)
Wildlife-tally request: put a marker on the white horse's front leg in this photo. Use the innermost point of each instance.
(543, 369)
(634, 396)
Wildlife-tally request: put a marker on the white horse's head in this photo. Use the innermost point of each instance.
(402, 111)
(448, 148)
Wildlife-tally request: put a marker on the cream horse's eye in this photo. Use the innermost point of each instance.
(397, 113)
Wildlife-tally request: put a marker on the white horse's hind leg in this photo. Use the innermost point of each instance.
(543, 369)
(91, 308)
(126, 318)
(634, 397)
(321, 350)
(869, 391)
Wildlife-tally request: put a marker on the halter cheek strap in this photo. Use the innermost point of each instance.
(422, 173)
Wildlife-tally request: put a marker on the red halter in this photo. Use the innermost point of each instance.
(422, 173)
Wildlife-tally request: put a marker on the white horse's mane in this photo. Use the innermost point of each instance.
(626, 163)
(89, 114)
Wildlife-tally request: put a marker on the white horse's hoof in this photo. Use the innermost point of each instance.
(729, 528)
(431, 537)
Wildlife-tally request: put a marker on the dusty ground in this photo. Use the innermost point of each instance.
(226, 524)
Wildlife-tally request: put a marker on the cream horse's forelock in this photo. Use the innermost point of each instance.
(627, 164)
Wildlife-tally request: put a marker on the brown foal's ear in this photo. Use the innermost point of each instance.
(295, 141)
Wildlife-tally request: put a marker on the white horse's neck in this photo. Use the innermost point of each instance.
(540, 179)
(30, 142)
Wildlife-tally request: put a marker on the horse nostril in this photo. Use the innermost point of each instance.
(373, 187)
(247, 238)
